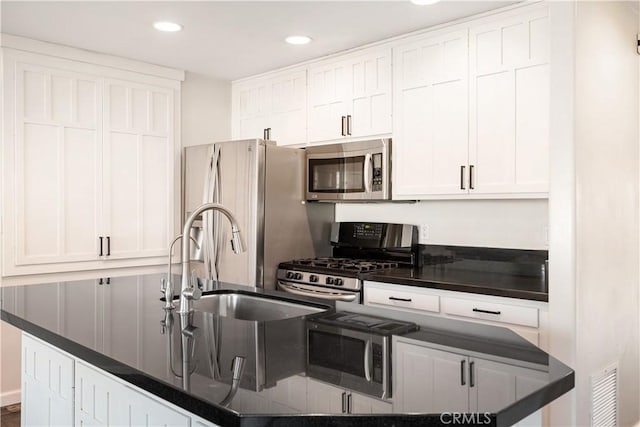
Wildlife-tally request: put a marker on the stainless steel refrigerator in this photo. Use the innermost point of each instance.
(263, 185)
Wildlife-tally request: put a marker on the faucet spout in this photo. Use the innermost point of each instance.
(187, 293)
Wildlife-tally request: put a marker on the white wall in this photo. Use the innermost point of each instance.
(206, 110)
(519, 224)
(607, 190)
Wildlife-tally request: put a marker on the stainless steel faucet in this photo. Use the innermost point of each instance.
(190, 292)
(167, 285)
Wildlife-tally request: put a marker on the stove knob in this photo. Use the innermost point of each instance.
(298, 276)
(313, 278)
(338, 282)
(329, 281)
(289, 274)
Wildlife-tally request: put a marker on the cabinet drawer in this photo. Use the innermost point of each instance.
(504, 313)
(402, 299)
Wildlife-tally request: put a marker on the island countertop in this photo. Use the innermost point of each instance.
(122, 328)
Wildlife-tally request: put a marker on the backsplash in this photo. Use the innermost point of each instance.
(517, 262)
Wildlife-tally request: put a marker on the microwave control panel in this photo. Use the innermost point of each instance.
(377, 172)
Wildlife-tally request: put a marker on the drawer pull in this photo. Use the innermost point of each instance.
(400, 299)
(479, 310)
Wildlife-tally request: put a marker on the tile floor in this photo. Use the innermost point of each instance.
(10, 416)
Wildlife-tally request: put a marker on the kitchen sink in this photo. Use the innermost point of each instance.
(254, 307)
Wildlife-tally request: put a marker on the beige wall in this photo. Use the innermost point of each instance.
(520, 224)
(9, 364)
(206, 110)
(607, 214)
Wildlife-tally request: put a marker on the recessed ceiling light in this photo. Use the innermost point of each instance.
(298, 39)
(424, 2)
(167, 26)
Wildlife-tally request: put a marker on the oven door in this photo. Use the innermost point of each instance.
(352, 359)
(319, 292)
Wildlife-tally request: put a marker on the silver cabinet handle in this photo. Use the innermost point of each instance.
(462, 379)
(368, 176)
(367, 361)
(462, 178)
(349, 403)
(344, 402)
(343, 122)
(348, 124)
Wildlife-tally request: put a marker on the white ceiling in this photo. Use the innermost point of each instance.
(225, 39)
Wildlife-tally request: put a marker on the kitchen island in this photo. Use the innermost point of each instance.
(119, 348)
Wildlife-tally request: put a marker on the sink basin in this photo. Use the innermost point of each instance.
(254, 307)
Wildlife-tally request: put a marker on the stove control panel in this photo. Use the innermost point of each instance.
(327, 280)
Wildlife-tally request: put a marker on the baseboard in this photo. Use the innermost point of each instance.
(10, 398)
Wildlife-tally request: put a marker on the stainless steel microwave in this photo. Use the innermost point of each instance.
(349, 171)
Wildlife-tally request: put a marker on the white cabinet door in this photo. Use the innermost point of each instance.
(360, 404)
(329, 93)
(250, 109)
(428, 380)
(509, 109)
(369, 107)
(102, 401)
(430, 143)
(138, 169)
(58, 174)
(325, 399)
(288, 108)
(47, 385)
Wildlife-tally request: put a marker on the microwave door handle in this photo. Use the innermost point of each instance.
(367, 361)
(367, 172)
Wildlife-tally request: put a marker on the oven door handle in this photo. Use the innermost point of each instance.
(368, 166)
(367, 361)
(332, 296)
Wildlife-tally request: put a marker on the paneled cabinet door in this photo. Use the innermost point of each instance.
(509, 109)
(288, 108)
(102, 401)
(430, 143)
(351, 97)
(250, 107)
(329, 93)
(428, 380)
(58, 171)
(138, 169)
(47, 385)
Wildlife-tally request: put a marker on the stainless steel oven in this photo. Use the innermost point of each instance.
(353, 351)
(349, 171)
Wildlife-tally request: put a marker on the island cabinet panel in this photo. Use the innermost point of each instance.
(47, 385)
(88, 165)
(350, 96)
(271, 108)
(101, 401)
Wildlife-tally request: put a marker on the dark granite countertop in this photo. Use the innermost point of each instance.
(450, 278)
(123, 329)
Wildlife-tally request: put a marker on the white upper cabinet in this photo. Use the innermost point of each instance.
(430, 115)
(88, 165)
(350, 97)
(509, 104)
(273, 108)
(471, 109)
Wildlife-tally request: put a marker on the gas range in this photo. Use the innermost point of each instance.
(358, 248)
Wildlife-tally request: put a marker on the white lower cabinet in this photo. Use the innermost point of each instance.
(436, 381)
(47, 385)
(323, 398)
(54, 383)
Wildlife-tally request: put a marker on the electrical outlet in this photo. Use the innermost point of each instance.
(424, 233)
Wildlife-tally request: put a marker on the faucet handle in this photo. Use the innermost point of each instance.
(193, 293)
(163, 285)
